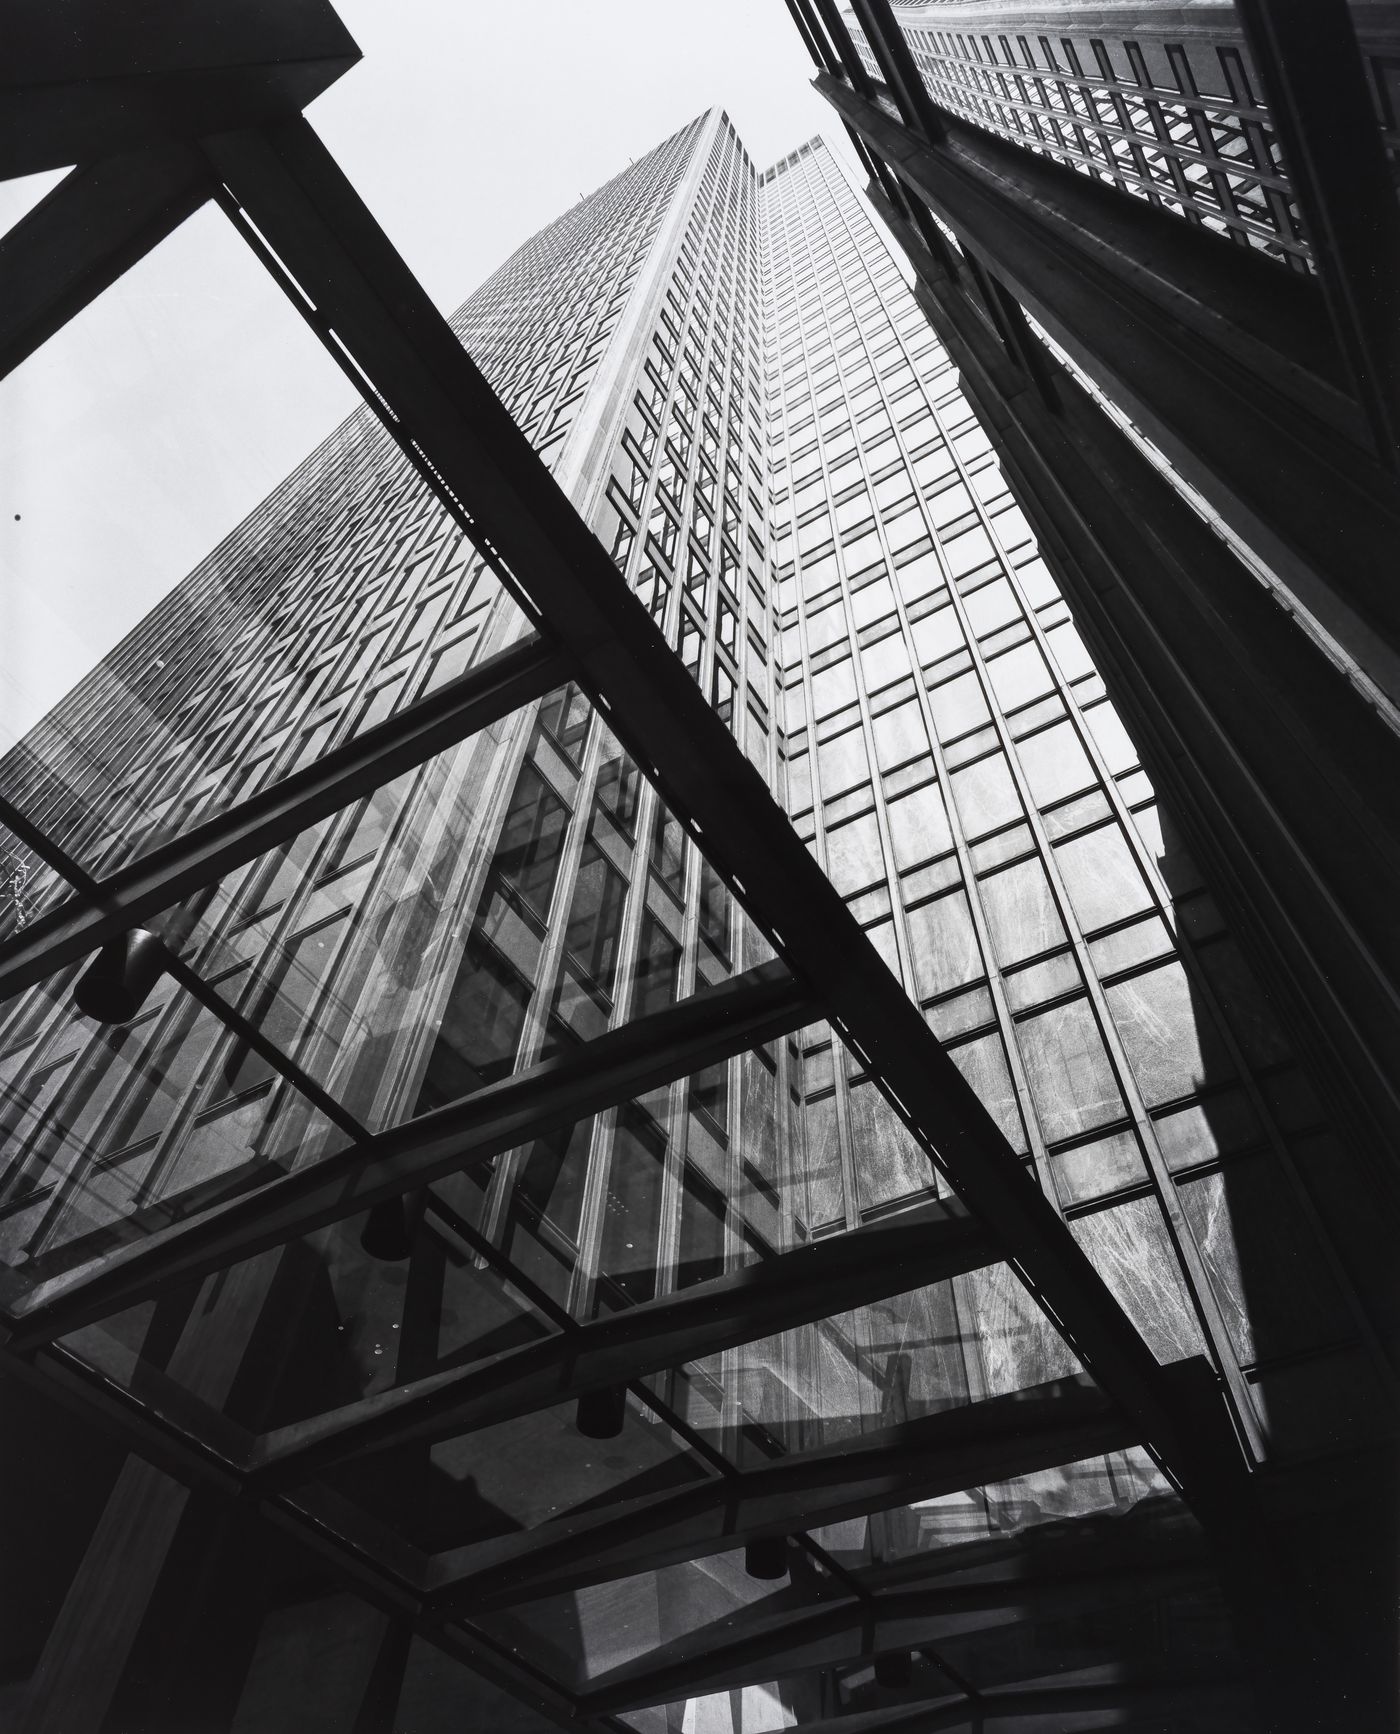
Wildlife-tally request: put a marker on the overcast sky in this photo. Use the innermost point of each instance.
(144, 431)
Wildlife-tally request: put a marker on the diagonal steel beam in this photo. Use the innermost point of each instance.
(925, 1246)
(203, 855)
(422, 381)
(949, 1452)
(708, 1027)
(95, 224)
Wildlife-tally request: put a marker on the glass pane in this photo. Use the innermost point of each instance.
(1055, 764)
(28, 886)
(514, 1476)
(1002, 1511)
(155, 686)
(944, 944)
(1130, 1248)
(112, 1131)
(1021, 912)
(1095, 1170)
(1071, 1079)
(872, 1368)
(1172, 1042)
(1101, 877)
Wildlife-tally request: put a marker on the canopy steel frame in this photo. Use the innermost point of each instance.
(710, 1026)
(928, 1245)
(807, 1638)
(353, 284)
(995, 1439)
(293, 204)
(201, 856)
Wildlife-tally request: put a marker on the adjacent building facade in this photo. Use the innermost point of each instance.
(728, 372)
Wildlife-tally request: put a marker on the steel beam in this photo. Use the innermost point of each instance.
(1224, 361)
(994, 1440)
(94, 225)
(203, 855)
(708, 1027)
(1320, 106)
(743, 1650)
(482, 466)
(80, 82)
(1121, 1704)
(924, 1246)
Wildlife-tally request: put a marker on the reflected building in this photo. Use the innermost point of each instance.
(727, 371)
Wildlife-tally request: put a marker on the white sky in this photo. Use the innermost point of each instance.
(149, 426)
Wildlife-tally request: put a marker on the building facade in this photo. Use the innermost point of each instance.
(728, 372)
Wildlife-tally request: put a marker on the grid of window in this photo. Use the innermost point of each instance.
(347, 595)
(795, 486)
(952, 758)
(799, 492)
(1176, 121)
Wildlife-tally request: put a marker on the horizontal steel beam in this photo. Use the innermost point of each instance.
(95, 224)
(924, 1246)
(483, 467)
(1121, 1704)
(1225, 362)
(708, 1027)
(741, 1650)
(937, 1454)
(204, 854)
(81, 81)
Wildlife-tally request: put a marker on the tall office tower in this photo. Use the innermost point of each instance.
(730, 375)
(1162, 246)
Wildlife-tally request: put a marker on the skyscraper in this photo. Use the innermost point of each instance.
(728, 373)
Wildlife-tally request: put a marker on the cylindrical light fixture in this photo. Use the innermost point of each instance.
(115, 985)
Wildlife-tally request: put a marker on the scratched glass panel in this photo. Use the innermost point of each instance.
(993, 1519)
(983, 1063)
(29, 887)
(854, 858)
(1094, 1170)
(1129, 1246)
(889, 1161)
(1021, 912)
(1172, 1042)
(1104, 882)
(1071, 1079)
(592, 1636)
(944, 944)
(1055, 764)
(985, 796)
(919, 827)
